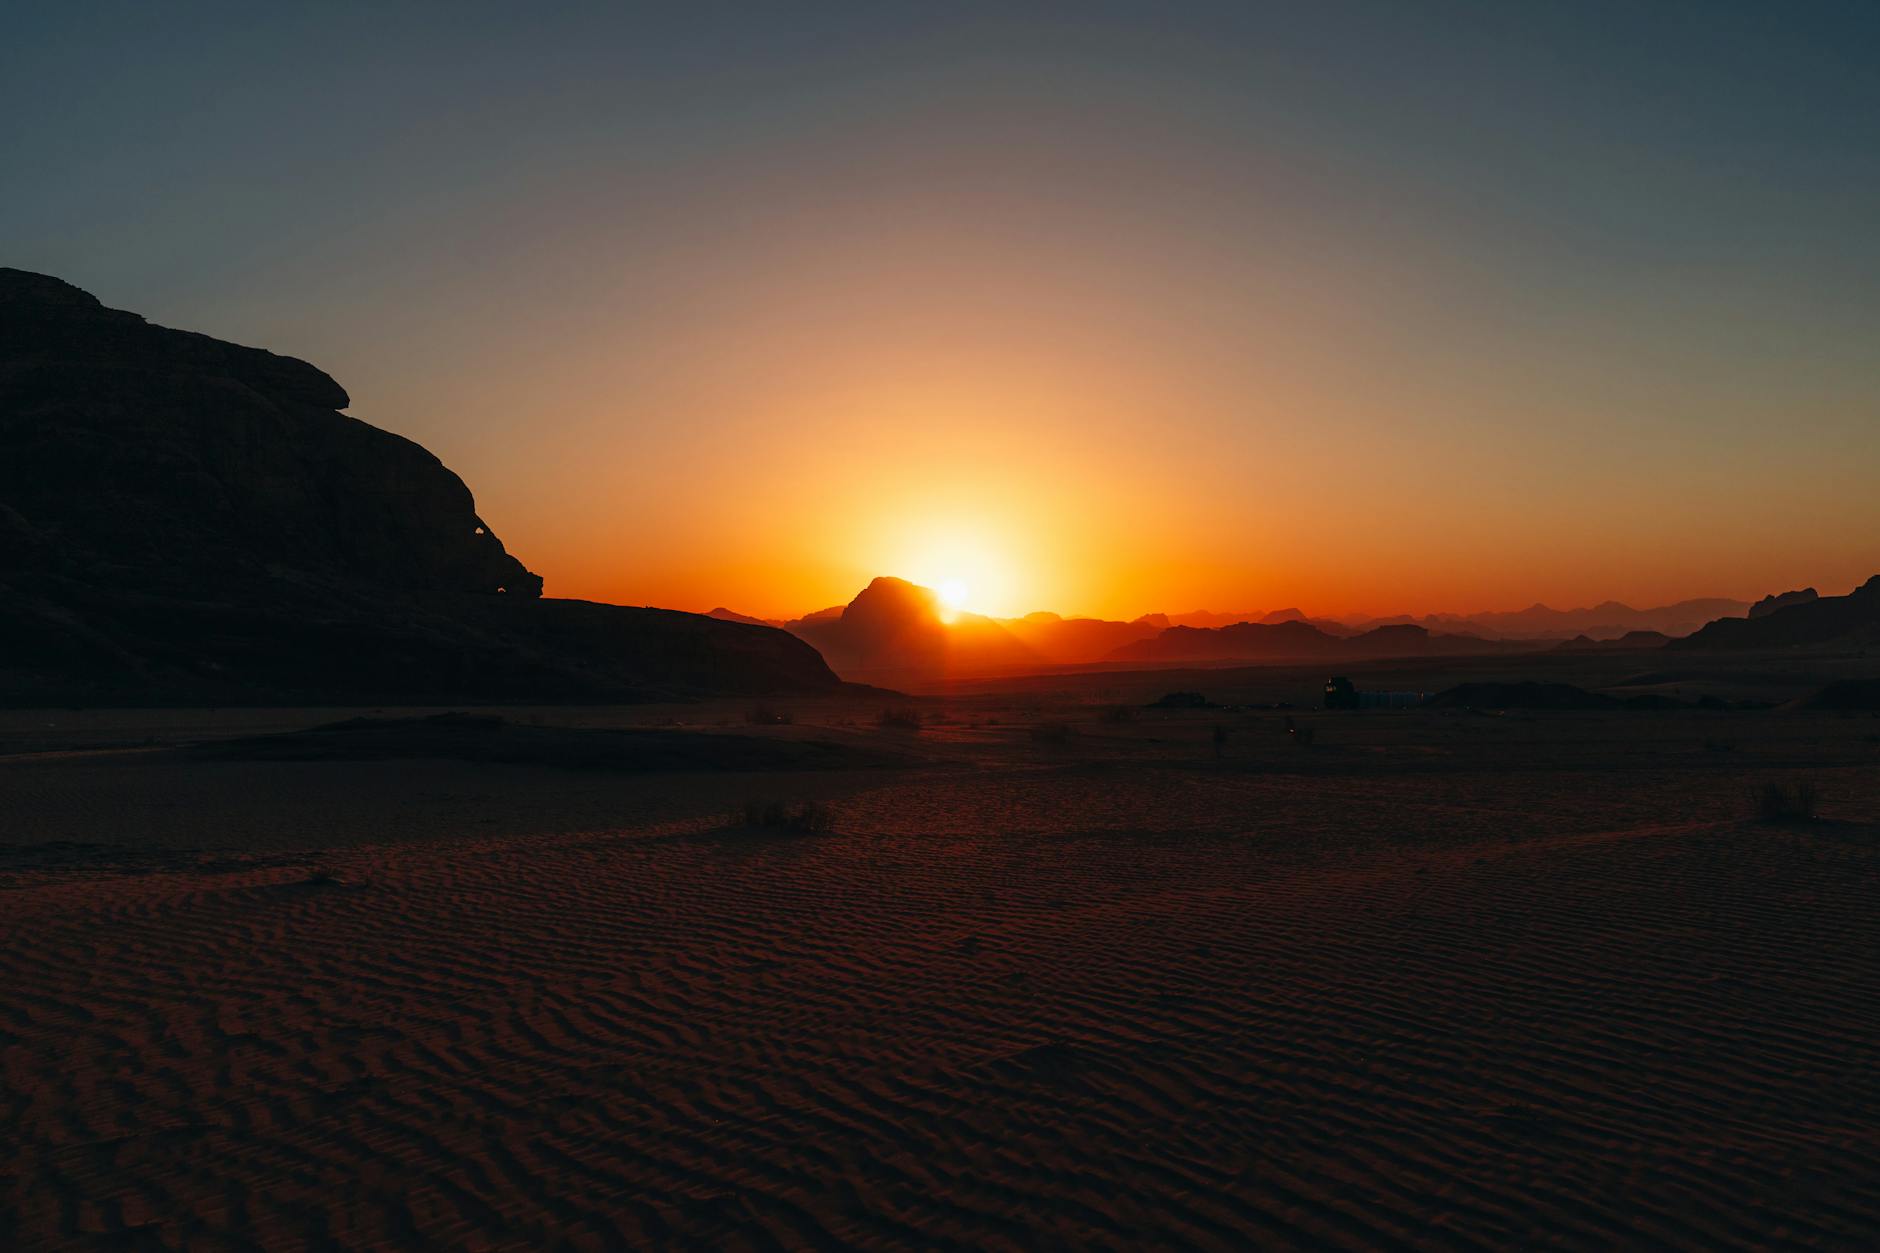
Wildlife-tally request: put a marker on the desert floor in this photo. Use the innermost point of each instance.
(1060, 979)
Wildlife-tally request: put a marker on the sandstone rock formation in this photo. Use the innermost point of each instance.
(1782, 600)
(1850, 621)
(185, 519)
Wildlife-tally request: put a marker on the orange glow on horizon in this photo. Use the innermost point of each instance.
(778, 416)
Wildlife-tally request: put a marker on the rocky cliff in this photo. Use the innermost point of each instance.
(187, 519)
(1850, 621)
(1782, 600)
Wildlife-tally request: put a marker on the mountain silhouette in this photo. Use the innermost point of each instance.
(1630, 640)
(1851, 621)
(188, 520)
(1295, 640)
(1782, 600)
(1075, 641)
(726, 615)
(1241, 641)
(1606, 620)
(895, 629)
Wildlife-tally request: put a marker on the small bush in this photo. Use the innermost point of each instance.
(1785, 802)
(1719, 746)
(901, 719)
(1119, 713)
(1051, 732)
(1303, 736)
(765, 716)
(809, 818)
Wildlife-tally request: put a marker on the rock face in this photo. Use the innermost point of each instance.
(1782, 600)
(185, 519)
(1851, 621)
(174, 454)
(894, 632)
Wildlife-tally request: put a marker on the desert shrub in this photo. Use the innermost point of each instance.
(765, 716)
(1785, 802)
(899, 719)
(1118, 713)
(808, 818)
(1719, 746)
(1303, 736)
(1051, 732)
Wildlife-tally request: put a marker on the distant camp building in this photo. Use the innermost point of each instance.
(1342, 693)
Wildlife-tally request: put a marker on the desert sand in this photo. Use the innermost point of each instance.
(1434, 980)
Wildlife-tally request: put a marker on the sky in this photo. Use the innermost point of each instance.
(1101, 308)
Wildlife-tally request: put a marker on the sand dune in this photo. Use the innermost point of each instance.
(1500, 995)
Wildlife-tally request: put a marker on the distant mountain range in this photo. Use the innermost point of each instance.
(1608, 620)
(896, 631)
(1295, 640)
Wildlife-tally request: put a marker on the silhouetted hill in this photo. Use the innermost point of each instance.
(894, 629)
(1205, 618)
(1782, 600)
(1606, 620)
(1249, 641)
(1074, 641)
(1295, 640)
(1330, 626)
(727, 615)
(1406, 640)
(183, 519)
(1852, 620)
(1630, 640)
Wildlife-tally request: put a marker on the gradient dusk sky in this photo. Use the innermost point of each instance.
(1102, 308)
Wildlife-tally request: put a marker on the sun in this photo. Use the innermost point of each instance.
(966, 567)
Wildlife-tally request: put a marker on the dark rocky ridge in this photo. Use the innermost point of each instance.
(1296, 640)
(1782, 600)
(893, 630)
(183, 519)
(1850, 621)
